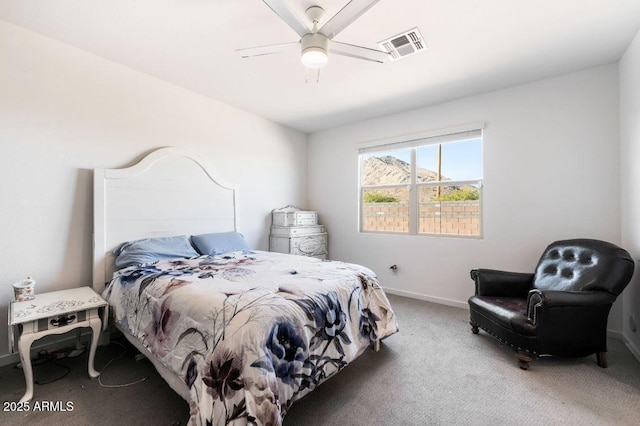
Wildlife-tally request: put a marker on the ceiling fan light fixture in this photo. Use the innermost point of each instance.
(314, 47)
(314, 57)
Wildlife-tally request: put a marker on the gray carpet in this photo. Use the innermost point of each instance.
(435, 372)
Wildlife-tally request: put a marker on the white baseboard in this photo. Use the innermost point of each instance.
(9, 359)
(419, 296)
(615, 335)
(632, 348)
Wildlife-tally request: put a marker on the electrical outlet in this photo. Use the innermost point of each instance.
(632, 324)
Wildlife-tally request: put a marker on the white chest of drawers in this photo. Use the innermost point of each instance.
(296, 231)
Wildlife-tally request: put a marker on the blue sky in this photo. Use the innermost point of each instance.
(460, 160)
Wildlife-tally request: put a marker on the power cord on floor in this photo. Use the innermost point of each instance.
(124, 351)
(48, 359)
(45, 357)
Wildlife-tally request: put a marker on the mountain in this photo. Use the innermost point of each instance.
(390, 170)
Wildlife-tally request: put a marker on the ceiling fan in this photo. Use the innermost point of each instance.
(316, 41)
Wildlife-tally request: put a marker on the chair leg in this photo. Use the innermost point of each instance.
(523, 360)
(601, 358)
(474, 327)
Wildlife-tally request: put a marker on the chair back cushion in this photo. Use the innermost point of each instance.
(582, 265)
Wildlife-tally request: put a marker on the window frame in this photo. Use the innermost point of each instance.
(414, 142)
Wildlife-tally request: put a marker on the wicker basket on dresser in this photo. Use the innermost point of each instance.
(296, 231)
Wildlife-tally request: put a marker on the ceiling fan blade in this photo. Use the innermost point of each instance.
(267, 50)
(280, 8)
(341, 20)
(358, 52)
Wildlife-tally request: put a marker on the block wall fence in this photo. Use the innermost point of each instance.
(435, 217)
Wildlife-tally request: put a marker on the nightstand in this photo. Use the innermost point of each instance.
(296, 231)
(56, 312)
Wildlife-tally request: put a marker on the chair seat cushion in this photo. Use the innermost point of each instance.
(508, 312)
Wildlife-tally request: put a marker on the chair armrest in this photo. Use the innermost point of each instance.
(490, 282)
(539, 300)
(552, 299)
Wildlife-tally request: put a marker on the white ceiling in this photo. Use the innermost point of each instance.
(474, 46)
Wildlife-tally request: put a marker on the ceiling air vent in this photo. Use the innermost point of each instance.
(404, 44)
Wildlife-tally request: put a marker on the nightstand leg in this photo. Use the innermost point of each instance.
(96, 327)
(24, 346)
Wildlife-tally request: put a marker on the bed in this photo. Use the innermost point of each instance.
(240, 334)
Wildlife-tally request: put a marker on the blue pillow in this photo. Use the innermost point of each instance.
(152, 249)
(219, 242)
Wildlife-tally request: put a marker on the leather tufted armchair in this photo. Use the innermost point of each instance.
(561, 309)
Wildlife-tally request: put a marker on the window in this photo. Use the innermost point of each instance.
(423, 185)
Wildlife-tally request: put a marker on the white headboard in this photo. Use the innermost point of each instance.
(170, 192)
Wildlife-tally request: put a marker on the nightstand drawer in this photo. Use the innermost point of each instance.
(297, 231)
(59, 320)
(309, 245)
(290, 216)
(305, 219)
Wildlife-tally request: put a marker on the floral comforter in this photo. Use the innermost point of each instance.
(251, 332)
